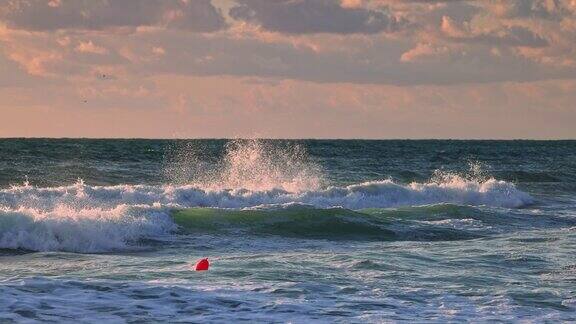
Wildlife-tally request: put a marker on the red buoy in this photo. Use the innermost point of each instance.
(202, 265)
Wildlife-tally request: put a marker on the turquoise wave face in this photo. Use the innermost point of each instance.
(297, 221)
(442, 222)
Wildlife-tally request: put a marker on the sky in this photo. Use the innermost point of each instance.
(492, 69)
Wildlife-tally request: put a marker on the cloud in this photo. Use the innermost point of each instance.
(339, 68)
(424, 51)
(510, 36)
(184, 106)
(440, 42)
(373, 60)
(315, 16)
(545, 9)
(41, 15)
(89, 47)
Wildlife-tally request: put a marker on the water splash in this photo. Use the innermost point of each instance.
(477, 173)
(85, 218)
(251, 173)
(250, 164)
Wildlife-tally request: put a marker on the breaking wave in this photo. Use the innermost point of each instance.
(250, 164)
(88, 218)
(252, 174)
(90, 229)
(302, 221)
(374, 194)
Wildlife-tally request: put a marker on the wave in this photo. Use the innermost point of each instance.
(441, 222)
(374, 194)
(302, 221)
(85, 218)
(66, 228)
(251, 164)
(95, 230)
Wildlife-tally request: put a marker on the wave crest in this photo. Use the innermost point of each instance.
(64, 228)
(84, 218)
(251, 164)
(373, 194)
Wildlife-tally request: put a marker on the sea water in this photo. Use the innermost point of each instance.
(296, 231)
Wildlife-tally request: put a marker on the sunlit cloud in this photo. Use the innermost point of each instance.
(377, 55)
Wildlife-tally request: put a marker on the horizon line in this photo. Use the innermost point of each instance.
(287, 138)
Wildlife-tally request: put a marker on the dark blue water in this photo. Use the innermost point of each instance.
(350, 231)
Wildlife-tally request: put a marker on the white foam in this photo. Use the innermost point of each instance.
(61, 300)
(375, 194)
(80, 229)
(88, 218)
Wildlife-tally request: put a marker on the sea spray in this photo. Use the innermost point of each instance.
(250, 164)
(88, 218)
(372, 194)
(250, 173)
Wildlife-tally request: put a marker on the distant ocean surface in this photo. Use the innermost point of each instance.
(296, 231)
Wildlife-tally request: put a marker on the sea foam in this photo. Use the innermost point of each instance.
(90, 229)
(373, 194)
(88, 218)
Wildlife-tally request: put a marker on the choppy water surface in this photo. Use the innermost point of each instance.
(297, 231)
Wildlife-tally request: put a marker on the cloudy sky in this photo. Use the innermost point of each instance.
(288, 68)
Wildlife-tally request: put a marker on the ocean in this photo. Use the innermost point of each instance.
(296, 231)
